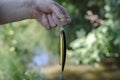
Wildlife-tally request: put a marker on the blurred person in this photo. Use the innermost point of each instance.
(48, 12)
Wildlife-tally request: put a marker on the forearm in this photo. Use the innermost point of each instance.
(15, 10)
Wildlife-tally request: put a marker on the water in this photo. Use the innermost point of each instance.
(49, 66)
(61, 77)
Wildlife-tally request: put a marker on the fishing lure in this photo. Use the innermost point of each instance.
(62, 49)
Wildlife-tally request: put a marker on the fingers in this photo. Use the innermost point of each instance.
(51, 21)
(57, 16)
(45, 22)
(42, 18)
(55, 9)
(65, 13)
(48, 21)
(57, 20)
(45, 19)
(60, 15)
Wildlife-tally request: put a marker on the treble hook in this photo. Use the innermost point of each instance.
(62, 49)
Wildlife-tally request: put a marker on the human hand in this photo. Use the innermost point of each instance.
(50, 13)
(47, 12)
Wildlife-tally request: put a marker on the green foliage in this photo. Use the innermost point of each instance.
(101, 42)
(88, 44)
(17, 42)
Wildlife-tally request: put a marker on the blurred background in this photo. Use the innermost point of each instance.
(29, 52)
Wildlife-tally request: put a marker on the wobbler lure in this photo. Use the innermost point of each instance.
(62, 49)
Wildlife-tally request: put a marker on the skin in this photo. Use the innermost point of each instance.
(48, 12)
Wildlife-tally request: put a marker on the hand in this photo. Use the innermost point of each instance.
(50, 13)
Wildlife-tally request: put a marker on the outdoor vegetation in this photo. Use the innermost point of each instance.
(92, 37)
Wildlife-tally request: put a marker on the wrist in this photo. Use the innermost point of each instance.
(30, 6)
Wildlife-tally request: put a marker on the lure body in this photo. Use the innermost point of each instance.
(62, 49)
